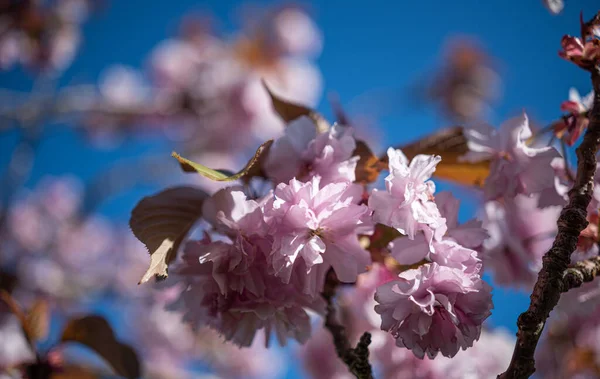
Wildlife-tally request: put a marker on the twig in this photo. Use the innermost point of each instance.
(581, 272)
(573, 219)
(357, 359)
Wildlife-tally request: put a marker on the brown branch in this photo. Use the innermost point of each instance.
(573, 219)
(357, 359)
(581, 272)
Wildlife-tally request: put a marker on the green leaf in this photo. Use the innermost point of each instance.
(190, 166)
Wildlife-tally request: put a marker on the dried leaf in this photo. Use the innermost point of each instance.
(34, 323)
(95, 333)
(162, 221)
(382, 236)
(340, 115)
(220, 176)
(368, 166)
(37, 321)
(289, 111)
(14, 307)
(450, 144)
(75, 372)
(7, 281)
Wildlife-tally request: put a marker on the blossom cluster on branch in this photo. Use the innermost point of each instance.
(364, 274)
(264, 258)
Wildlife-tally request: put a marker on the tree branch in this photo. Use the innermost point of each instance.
(581, 272)
(573, 219)
(357, 359)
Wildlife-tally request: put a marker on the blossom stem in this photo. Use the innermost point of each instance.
(357, 359)
(551, 283)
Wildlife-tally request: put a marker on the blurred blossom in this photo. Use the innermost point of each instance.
(570, 347)
(59, 252)
(42, 35)
(467, 85)
(229, 361)
(554, 6)
(123, 87)
(488, 356)
(14, 348)
(296, 33)
(206, 91)
(320, 359)
(520, 234)
(358, 315)
(516, 167)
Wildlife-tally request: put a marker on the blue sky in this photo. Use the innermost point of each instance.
(370, 48)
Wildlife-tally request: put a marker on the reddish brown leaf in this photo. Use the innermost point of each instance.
(450, 144)
(289, 111)
(37, 321)
(34, 323)
(368, 166)
(75, 372)
(162, 221)
(95, 333)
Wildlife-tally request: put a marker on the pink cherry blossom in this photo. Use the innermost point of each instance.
(470, 234)
(570, 347)
(237, 312)
(295, 33)
(330, 155)
(319, 358)
(489, 355)
(231, 213)
(446, 253)
(434, 309)
(14, 348)
(516, 167)
(301, 153)
(229, 361)
(554, 6)
(407, 204)
(577, 104)
(285, 156)
(454, 250)
(583, 53)
(571, 126)
(357, 306)
(321, 226)
(520, 235)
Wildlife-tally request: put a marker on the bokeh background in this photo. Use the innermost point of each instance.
(377, 61)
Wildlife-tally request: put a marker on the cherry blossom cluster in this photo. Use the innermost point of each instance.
(42, 35)
(52, 248)
(70, 260)
(570, 347)
(488, 356)
(525, 192)
(201, 88)
(264, 259)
